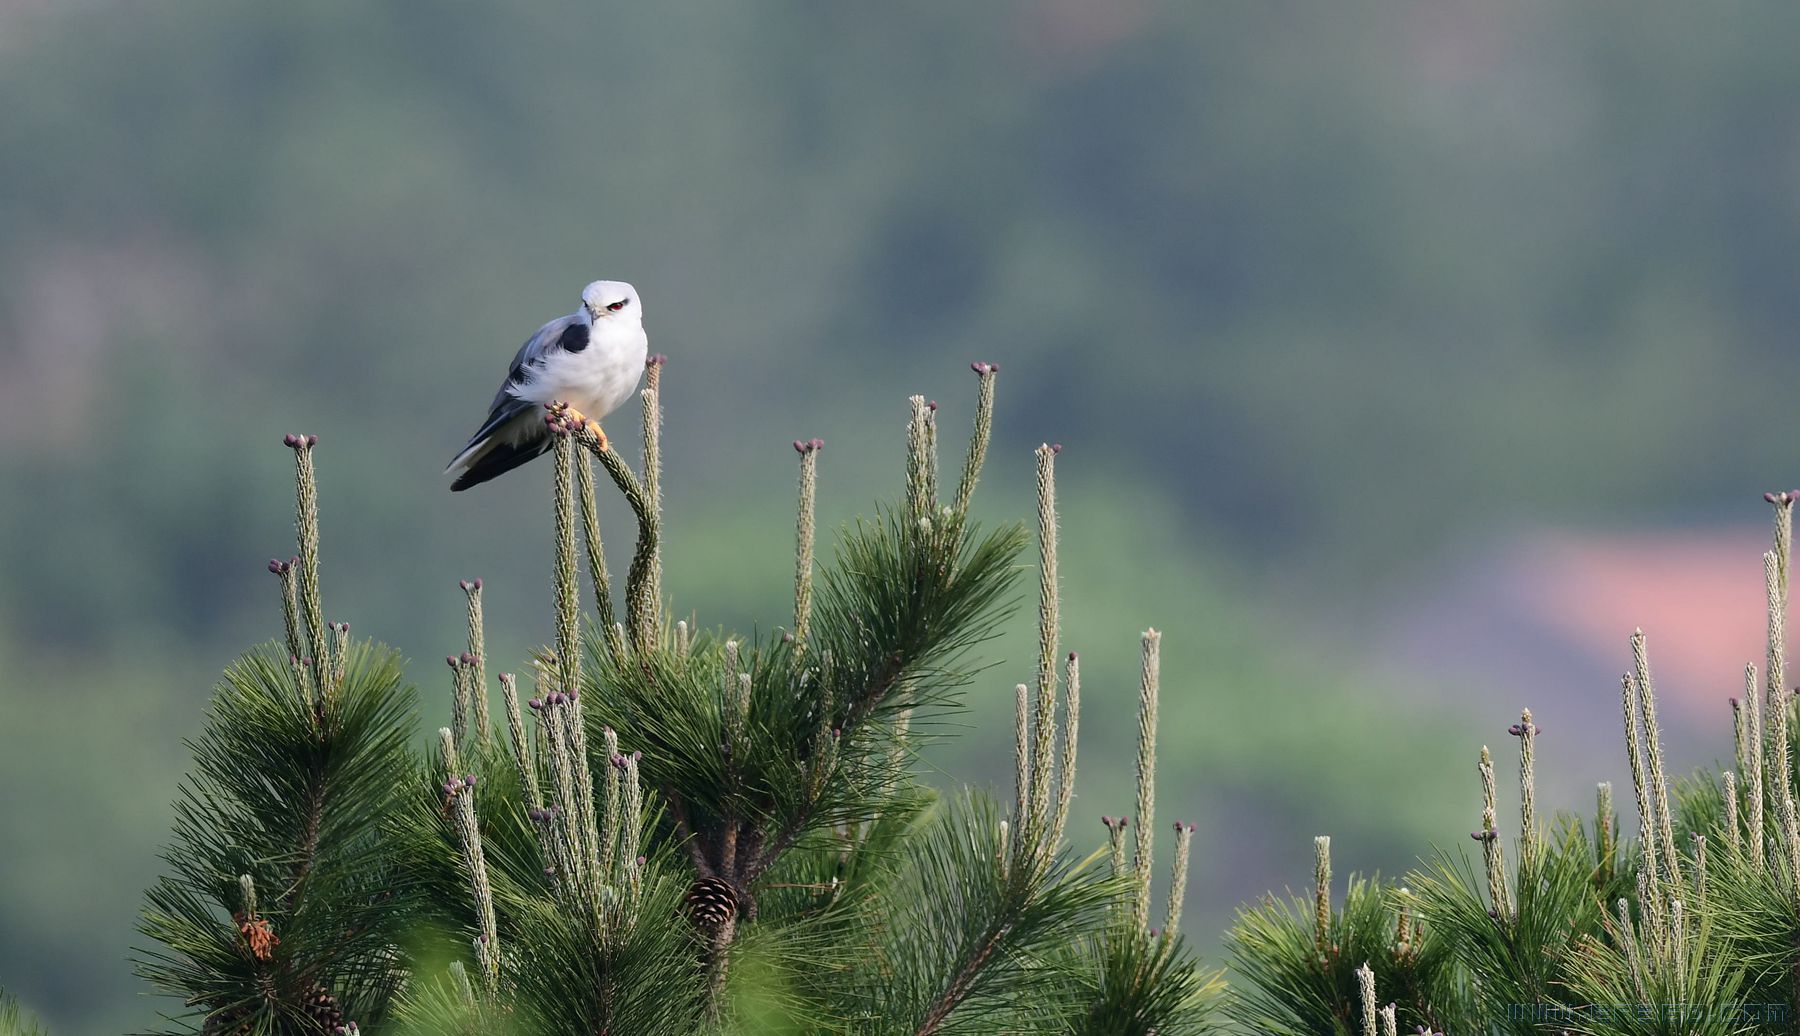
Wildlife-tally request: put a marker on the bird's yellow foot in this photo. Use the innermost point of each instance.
(565, 419)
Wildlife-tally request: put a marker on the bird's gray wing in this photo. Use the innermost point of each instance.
(532, 355)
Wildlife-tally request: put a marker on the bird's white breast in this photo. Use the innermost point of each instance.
(598, 379)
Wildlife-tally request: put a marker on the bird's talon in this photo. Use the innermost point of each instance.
(563, 419)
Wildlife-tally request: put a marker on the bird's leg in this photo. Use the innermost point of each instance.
(561, 417)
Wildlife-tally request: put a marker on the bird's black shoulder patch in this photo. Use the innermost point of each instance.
(574, 338)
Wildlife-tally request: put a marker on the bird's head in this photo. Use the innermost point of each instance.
(612, 301)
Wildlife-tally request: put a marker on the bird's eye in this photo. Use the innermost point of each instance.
(616, 306)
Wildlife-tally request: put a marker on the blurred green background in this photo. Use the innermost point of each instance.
(1328, 302)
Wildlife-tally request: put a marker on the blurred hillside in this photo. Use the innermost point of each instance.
(1322, 299)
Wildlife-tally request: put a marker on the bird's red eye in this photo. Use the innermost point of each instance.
(616, 306)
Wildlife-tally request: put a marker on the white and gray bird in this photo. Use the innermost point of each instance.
(591, 359)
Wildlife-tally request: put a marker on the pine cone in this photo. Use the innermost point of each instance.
(322, 1008)
(317, 1003)
(712, 902)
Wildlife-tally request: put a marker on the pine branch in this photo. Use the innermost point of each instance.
(643, 601)
(963, 982)
(477, 662)
(306, 808)
(1148, 693)
(297, 779)
(1669, 862)
(651, 397)
(288, 573)
(958, 936)
(1065, 770)
(459, 802)
(984, 431)
(804, 532)
(566, 583)
(306, 528)
(1043, 747)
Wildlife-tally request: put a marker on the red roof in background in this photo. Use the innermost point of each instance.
(1698, 596)
(1545, 620)
(1550, 613)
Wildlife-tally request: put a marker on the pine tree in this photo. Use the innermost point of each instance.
(1691, 928)
(674, 829)
(681, 830)
(287, 899)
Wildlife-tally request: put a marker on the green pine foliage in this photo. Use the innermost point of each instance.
(1519, 959)
(14, 1021)
(672, 829)
(286, 901)
(1298, 979)
(1692, 927)
(1127, 986)
(965, 936)
(1751, 912)
(1687, 968)
(668, 829)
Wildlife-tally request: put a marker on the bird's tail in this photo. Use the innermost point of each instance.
(491, 458)
(508, 438)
